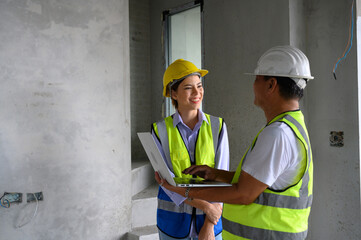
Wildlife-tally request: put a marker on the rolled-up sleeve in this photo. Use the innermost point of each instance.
(222, 154)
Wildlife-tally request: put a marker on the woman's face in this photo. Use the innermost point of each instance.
(189, 93)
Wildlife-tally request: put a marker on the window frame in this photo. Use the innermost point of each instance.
(167, 107)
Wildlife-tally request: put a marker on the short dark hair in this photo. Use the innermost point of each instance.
(288, 88)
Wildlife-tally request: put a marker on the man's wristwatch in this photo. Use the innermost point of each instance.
(186, 194)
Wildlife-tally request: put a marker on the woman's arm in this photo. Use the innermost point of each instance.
(207, 231)
(213, 211)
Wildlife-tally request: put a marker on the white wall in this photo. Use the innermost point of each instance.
(65, 117)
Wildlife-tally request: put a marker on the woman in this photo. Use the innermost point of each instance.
(189, 137)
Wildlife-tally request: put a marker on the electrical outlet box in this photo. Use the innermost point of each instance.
(13, 197)
(30, 196)
(336, 139)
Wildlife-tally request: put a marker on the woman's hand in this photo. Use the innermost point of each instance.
(213, 212)
(162, 182)
(202, 171)
(207, 232)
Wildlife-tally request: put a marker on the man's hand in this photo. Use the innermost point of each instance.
(202, 171)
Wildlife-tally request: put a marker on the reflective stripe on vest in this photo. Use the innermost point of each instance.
(176, 220)
(183, 208)
(275, 214)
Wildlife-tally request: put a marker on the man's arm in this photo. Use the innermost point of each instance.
(245, 191)
(222, 154)
(209, 173)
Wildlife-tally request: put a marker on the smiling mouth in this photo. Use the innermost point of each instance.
(195, 100)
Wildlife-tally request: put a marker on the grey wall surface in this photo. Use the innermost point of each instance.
(65, 118)
(236, 34)
(140, 77)
(333, 106)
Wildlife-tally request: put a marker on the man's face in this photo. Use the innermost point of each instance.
(260, 87)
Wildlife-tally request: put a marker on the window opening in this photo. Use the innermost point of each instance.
(182, 39)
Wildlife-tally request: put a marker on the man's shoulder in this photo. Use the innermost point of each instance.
(277, 129)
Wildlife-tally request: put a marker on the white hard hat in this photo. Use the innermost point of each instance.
(285, 61)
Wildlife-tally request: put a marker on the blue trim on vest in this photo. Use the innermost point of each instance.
(178, 225)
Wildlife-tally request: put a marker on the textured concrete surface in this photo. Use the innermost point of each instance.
(65, 118)
(333, 106)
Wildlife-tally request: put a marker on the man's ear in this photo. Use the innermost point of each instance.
(272, 84)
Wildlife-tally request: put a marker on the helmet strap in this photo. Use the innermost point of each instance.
(300, 82)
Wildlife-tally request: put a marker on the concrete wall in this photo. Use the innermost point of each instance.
(65, 118)
(333, 106)
(236, 34)
(140, 78)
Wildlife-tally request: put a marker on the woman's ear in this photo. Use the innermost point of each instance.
(174, 95)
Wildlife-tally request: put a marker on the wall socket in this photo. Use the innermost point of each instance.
(336, 139)
(13, 197)
(30, 196)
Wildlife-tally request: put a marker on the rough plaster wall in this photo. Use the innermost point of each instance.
(65, 117)
(140, 78)
(236, 34)
(332, 106)
(358, 36)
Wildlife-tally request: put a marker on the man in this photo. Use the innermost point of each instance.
(271, 192)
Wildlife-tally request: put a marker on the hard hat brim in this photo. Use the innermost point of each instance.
(202, 72)
(281, 75)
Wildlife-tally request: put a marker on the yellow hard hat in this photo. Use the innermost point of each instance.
(179, 69)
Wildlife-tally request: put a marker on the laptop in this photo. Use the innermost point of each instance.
(161, 167)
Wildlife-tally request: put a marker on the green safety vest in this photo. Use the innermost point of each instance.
(175, 220)
(279, 215)
(175, 149)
